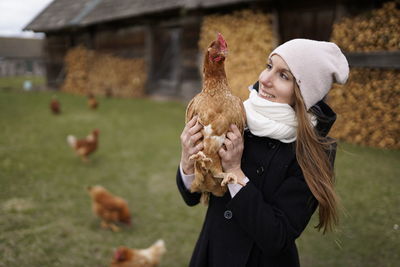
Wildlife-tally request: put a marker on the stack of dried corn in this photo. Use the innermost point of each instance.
(89, 71)
(377, 30)
(123, 77)
(78, 62)
(250, 39)
(368, 108)
(368, 105)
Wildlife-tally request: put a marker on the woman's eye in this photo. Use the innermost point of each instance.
(284, 76)
(269, 66)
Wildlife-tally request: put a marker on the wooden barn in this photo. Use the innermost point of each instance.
(165, 34)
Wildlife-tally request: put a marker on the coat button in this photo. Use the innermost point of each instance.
(228, 214)
(260, 170)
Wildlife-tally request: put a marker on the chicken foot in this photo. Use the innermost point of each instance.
(228, 178)
(202, 159)
(111, 226)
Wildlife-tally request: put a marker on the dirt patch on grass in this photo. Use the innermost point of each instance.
(18, 205)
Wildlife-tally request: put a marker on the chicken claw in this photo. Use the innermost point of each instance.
(114, 228)
(202, 159)
(229, 178)
(111, 226)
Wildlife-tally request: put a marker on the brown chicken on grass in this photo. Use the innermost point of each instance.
(86, 146)
(150, 257)
(55, 105)
(111, 209)
(92, 101)
(216, 109)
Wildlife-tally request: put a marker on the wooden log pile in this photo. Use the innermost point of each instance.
(103, 74)
(250, 38)
(368, 105)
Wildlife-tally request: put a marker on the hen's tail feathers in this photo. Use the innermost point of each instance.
(159, 246)
(154, 252)
(71, 140)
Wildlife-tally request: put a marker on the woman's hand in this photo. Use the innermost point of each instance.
(231, 155)
(191, 134)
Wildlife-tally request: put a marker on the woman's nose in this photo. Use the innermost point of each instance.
(266, 79)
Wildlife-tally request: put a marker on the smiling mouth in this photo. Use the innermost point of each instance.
(266, 95)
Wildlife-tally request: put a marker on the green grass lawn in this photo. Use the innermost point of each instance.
(45, 212)
(16, 82)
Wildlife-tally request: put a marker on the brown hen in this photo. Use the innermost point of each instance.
(109, 208)
(55, 106)
(150, 257)
(92, 101)
(86, 146)
(217, 108)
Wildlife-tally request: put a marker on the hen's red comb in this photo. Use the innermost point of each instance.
(222, 41)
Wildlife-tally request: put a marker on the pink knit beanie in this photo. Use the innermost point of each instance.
(315, 65)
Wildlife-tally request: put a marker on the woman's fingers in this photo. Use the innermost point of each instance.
(191, 128)
(232, 153)
(222, 153)
(228, 144)
(235, 130)
(194, 138)
(195, 128)
(192, 122)
(189, 125)
(197, 148)
(234, 136)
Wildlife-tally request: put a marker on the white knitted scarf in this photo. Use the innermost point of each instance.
(270, 119)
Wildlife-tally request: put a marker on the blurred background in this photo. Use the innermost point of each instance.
(128, 68)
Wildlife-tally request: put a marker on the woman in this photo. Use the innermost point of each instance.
(284, 159)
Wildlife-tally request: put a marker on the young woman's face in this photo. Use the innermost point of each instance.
(276, 82)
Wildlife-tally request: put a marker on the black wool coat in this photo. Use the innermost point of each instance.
(259, 226)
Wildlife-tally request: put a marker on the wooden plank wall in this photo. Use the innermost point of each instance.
(126, 42)
(55, 49)
(191, 74)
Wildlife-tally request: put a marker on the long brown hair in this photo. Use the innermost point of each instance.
(311, 154)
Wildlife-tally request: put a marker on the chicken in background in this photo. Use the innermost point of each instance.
(109, 208)
(150, 257)
(86, 146)
(217, 108)
(55, 105)
(92, 102)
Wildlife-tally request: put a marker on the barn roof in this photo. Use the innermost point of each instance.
(61, 14)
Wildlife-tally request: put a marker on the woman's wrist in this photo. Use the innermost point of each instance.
(187, 168)
(238, 173)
